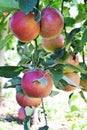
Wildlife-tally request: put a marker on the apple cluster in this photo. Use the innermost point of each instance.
(50, 26)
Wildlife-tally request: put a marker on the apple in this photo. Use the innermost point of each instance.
(21, 113)
(24, 27)
(52, 23)
(24, 100)
(75, 78)
(51, 45)
(37, 83)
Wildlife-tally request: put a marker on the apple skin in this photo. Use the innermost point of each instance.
(52, 23)
(24, 27)
(75, 78)
(32, 87)
(24, 100)
(21, 113)
(51, 45)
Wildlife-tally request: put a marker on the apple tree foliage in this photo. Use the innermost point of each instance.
(75, 33)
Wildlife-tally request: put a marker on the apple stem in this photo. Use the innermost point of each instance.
(44, 112)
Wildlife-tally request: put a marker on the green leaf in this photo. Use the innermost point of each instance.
(8, 5)
(44, 128)
(84, 38)
(69, 21)
(70, 37)
(27, 5)
(83, 96)
(80, 17)
(27, 123)
(10, 71)
(74, 108)
(19, 90)
(53, 93)
(5, 41)
(12, 82)
(61, 84)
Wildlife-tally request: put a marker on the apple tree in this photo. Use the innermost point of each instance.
(51, 41)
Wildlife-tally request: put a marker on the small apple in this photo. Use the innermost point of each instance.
(24, 27)
(52, 23)
(51, 45)
(21, 113)
(37, 83)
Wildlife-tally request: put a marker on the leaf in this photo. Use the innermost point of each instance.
(10, 71)
(61, 84)
(70, 37)
(27, 123)
(37, 14)
(74, 108)
(44, 128)
(42, 81)
(53, 93)
(69, 21)
(27, 5)
(12, 82)
(84, 38)
(83, 96)
(80, 17)
(8, 5)
(5, 41)
(29, 110)
(19, 90)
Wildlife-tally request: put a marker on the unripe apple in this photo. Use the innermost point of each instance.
(37, 83)
(51, 45)
(24, 27)
(52, 22)
(21, 113)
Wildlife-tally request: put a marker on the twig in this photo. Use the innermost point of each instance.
(44, 112)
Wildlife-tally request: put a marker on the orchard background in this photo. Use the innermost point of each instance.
(63, 108)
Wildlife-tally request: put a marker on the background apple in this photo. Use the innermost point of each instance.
(52, 23)
(24, 27)
(75, 78)
(52, 44)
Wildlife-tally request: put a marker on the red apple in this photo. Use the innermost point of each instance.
(52, 44)
(24, 27)
(37, 83)
(24, 100)
(21, 113)
(52, 22)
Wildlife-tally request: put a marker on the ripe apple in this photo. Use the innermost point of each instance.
(51, 45)
(83, 83)
(52, 23)
(37, 83)
(21, 113)
(75, 78)
(24, 100)
(24, 27)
